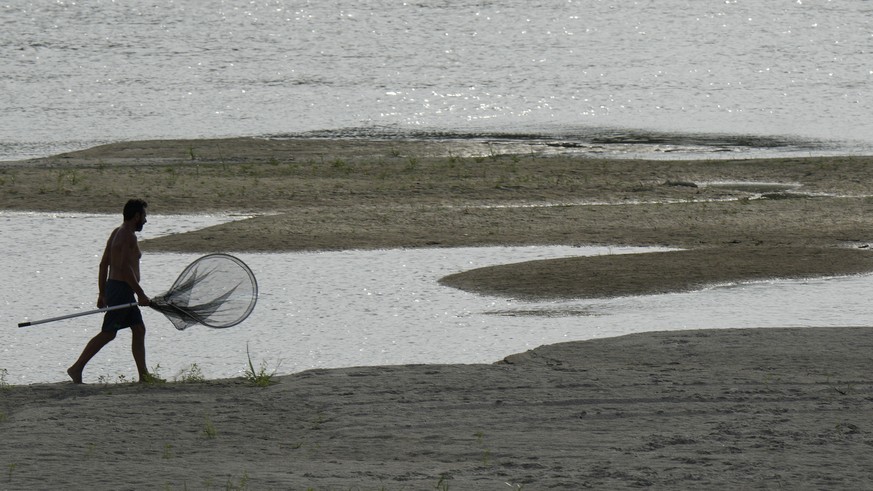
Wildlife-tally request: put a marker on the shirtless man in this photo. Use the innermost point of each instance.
(118, 282)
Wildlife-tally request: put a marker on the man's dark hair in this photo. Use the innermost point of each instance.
(132, 207)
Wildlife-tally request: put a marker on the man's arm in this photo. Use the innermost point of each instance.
(131, 269)
(103, 273)
(124, 263)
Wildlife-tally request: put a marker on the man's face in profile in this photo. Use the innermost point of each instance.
(140, 220)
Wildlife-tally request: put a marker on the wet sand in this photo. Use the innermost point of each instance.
(724, 409)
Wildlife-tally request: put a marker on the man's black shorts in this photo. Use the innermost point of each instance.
(117, 293)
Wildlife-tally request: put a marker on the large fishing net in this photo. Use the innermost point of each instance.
(216, 290)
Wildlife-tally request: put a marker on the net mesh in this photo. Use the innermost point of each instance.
(216, 290)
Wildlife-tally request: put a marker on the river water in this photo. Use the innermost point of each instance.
(350, 308)
(672, 77)
(666, 79)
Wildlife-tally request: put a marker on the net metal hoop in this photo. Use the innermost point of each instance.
(216, 290)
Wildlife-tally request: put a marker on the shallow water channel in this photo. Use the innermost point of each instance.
(349, 308)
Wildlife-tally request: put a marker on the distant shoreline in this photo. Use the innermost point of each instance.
(591, 142)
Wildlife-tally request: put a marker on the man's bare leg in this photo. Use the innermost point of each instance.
(137, 346)
(92, 348)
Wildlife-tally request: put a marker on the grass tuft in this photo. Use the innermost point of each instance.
(4, 385)
(209, 430)
(260, 377)
(191, 375)
(153, 378)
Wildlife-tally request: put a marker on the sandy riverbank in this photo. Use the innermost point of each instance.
(720, 409)
(731, 409)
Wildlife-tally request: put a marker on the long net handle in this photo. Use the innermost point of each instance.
(78, 314)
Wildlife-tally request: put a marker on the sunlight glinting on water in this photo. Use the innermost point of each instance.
(80, 74)
(349, 308)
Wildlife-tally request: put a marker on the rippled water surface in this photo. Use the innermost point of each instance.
(78, 73)
(336, 309)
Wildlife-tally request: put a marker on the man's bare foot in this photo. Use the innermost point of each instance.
(74, 374)
(148, 378)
